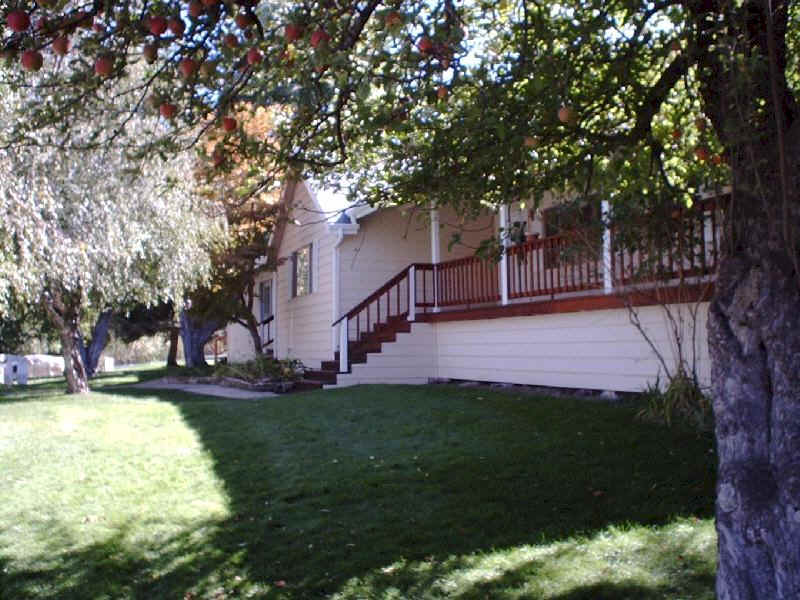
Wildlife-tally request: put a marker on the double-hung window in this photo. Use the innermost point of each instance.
(302, 283)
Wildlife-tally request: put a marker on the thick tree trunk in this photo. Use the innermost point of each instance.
(74, 369)
(195, 335)
(253, 328)
(754, 338)
(98, 342)
(172, 355)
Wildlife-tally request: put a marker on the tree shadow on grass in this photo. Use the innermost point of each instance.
(328, 490)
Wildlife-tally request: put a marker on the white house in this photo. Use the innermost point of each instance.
(381, 296)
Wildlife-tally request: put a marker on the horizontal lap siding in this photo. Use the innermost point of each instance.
(304, 323)
(387, 242)
(594, 350)
(391, 239)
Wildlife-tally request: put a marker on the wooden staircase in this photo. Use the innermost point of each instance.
(368, 342)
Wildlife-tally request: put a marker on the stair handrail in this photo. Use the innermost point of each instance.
(374, 295)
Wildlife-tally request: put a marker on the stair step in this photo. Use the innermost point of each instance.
(320, 375)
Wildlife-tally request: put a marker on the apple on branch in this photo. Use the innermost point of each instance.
(150, 53)
(319, 37)
(229, 124)
(60, 45)
(31, 60)
(18, 21)
(158, 25)
(187, 67)
(177, 27)
(103, 66)
(168, 110)
(292, 32)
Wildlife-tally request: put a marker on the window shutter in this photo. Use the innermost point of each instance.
(294, 274)
(314, 265)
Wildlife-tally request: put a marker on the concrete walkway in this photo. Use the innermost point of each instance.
(203, 389)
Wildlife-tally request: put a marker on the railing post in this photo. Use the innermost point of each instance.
(504, 257)
(344, 366)
(435, 254)
(608, 279)
(412, 293)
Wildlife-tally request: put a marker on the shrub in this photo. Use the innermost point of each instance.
(683, 400)
(261, 368)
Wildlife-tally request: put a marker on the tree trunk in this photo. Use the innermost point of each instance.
(172, 355)
(98, 342)
(195, 334)
(754, 323)
(253, 328)
(74, 370)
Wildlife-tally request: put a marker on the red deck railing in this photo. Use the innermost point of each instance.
(685, 244)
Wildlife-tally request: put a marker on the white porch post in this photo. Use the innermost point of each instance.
(412, 293)
(436, 256)
(343, 358)
(337, 301)
(274, 303)
(608, 281)
(504, 257)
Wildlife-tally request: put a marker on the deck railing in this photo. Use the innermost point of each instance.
(570, 262)
(267, 335)
(685, 244)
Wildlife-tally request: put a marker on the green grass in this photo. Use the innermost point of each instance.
(370, 492)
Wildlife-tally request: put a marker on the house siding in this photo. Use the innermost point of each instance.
(304, 323)
(592, 349)
(391, 239)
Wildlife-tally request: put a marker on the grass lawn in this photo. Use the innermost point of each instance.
(371, 492)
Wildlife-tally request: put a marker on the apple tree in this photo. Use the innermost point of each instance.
(477, 102)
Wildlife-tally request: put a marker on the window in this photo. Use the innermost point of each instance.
(265, 299)
(301, 272)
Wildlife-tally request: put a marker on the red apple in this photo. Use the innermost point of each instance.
(566, 115)
(61, 45)
(441, 92)
(319, 37)
(187, 66)
(254, 56)
(177, 27)
(229, 124)
(393, 19)
(103, 66)
(292, 32)
(150, 52)
(168, 110)
(243, 20)
(530, 141)
(701, 153)
(158, 25)
(717, 159)
(18, 20)
(196, 9)
(31, 60)
(425, 45)
(676, 134)
(231, 41)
